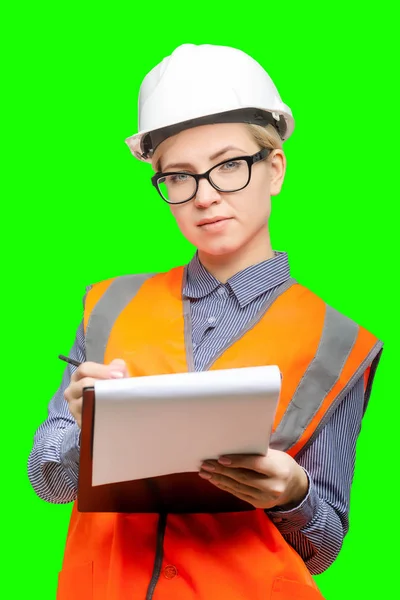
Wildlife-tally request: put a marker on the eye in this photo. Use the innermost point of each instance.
(179, 178)
(230, 165)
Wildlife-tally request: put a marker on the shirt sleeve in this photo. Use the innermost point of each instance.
(317, 527)
(53, 463)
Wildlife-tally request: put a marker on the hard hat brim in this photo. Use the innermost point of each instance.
(143, 144)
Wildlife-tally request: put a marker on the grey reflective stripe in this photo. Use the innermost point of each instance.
(106, 311)
(338, 338)
(370, 360)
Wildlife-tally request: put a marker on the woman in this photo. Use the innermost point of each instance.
(212, 126)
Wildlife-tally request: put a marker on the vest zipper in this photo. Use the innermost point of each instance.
(162, 522)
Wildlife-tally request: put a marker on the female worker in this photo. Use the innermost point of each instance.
(212, 125)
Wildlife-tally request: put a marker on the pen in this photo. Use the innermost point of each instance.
(71, 361)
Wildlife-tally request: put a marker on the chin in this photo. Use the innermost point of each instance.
(219, 248)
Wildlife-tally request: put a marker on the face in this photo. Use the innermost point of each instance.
(222, 223)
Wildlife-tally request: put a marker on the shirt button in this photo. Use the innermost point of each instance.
(211, 320)
(221, 291)
(170, 572)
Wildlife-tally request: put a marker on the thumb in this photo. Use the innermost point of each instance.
(118, 368)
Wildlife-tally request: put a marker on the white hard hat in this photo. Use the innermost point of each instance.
(198, 85)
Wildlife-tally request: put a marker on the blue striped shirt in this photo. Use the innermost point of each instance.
(315, 528)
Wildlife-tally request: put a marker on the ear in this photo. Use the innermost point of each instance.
(278, 170)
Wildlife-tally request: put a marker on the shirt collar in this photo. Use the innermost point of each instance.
(245, 285)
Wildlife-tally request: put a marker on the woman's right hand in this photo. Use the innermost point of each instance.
(85, 376)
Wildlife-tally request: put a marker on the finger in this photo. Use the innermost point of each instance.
(75, 390)
(91, 369)
(118, 362)
(256, 502)
(253, 462)
(118, 367)
(245, 498)
(230, 485)
(245, 476)
(94, 370)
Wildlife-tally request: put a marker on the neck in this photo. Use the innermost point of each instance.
(224, 266)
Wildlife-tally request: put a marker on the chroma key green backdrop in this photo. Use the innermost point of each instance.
(77, 208)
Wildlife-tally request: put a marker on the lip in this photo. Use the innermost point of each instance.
(212, 220)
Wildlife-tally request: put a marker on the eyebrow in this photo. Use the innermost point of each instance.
(212, 157)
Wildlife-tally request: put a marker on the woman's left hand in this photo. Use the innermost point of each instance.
(263, 481)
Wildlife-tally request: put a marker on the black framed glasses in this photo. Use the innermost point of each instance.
(230, 175)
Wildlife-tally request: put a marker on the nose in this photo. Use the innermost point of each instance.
(206, 195)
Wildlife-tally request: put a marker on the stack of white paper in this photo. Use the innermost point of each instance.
(150, 426)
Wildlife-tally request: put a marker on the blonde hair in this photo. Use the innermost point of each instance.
(266, 137)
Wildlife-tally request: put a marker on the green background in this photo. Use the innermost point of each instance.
(77, 208)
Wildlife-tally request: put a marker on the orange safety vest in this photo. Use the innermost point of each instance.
(235, 556)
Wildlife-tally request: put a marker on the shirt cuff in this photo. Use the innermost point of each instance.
(70, 451)
(295, 519)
